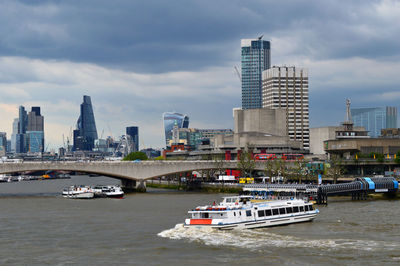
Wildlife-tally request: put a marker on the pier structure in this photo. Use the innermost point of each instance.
(358, 189)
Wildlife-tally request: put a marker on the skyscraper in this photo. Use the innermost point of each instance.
(256, 57)
(170, 119)
(35, 120)
(287, 88)
(22, 125)
(35, 141)
(35, 131)
(133, 132)
(375, 119)
(3, 143)
(86, 131)
(14, 135)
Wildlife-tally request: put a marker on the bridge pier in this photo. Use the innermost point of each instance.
(133, 185)
(322, 198)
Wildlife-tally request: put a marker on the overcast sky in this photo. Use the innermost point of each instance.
(138, 59)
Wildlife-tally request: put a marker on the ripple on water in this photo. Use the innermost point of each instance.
(262, 238)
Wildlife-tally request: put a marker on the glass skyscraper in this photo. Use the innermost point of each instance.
(133, 132)
(256, 57)
(35, 141)
(86, 132)
(170, 119)
(375, 119)
(22, 125)
(3, 143)
(14, 135)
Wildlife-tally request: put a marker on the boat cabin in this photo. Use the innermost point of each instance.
(235, 200)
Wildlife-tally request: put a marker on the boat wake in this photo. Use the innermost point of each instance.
(260, 239)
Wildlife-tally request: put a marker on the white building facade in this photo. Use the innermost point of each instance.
(287, 88)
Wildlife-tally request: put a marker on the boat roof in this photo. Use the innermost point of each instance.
(239, 196)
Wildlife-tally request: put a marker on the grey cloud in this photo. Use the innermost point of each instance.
(162, 36)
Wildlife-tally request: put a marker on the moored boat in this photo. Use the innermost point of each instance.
(242, 212)
(108, 191)
(78, 192)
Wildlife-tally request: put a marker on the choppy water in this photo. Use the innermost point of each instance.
(39, 227)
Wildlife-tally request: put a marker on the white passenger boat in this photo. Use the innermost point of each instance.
(78, 192)
(239, 212)
(108, 191)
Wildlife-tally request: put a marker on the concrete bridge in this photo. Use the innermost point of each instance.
(132, 174)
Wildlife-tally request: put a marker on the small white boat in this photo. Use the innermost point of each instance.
(108, 191)
(243, 212)
(78, 192)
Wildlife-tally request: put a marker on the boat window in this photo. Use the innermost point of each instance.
(248, 213)
(228, 200)
(234, 213)
(310, 207)
(306, 208)
(295, 209)
(205, 215)
(261, 213)
(275, 211)
(282, 211)
(289, 210)
(301, 208)
(240, 213)
(268, 213)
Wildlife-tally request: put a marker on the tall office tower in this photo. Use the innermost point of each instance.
(14, 135)
(287, 88)
(22, 125)
(391, 117)
(86, 132)
(35, 141)
(375, 119)
(8, 146)
(35, 120)
(3, 143)
(256, 57)
(35, 131)
(133, 132)
(23, 119)
(170, 119)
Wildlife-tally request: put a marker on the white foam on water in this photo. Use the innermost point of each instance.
(261, 238)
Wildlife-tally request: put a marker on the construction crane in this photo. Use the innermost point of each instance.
(238, 73)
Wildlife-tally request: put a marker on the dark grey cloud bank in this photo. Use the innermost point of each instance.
(160, 36)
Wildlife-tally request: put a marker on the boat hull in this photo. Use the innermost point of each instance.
(83, 195)
(260, 223)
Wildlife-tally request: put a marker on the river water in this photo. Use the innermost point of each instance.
(39, 227)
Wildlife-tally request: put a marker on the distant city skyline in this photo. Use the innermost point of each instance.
(184, 62)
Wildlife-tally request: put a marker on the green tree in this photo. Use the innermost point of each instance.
(380, 157)
(299, 170)
(397, 159)
(246, 163)
(269, 168)
(336, 168)
(281, 168)
(219, 163)
(136, 155)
